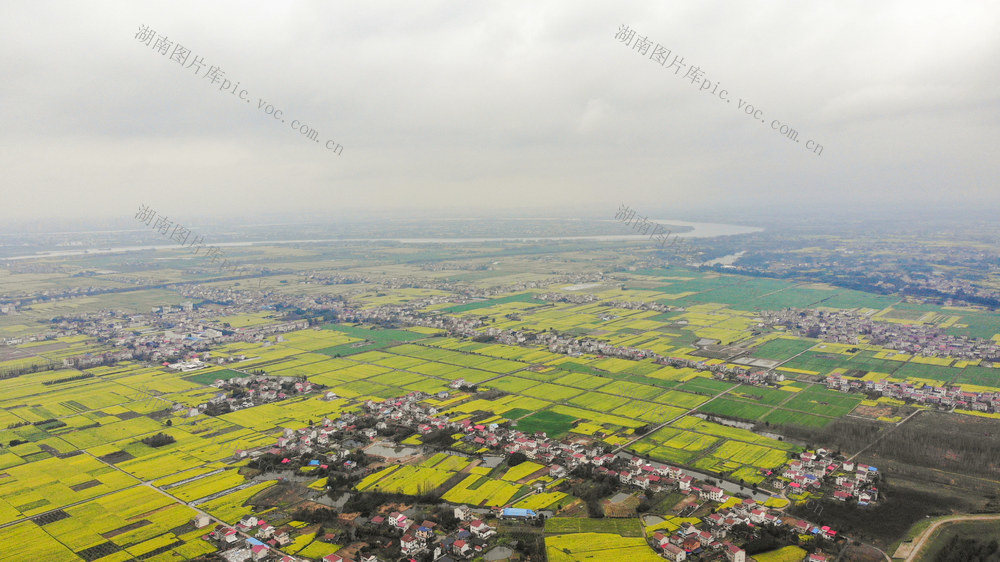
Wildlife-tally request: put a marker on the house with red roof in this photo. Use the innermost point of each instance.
(675, 553)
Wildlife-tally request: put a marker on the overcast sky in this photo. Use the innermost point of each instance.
(496, 108)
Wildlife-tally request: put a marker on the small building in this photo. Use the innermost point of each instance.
(675, 553)
(518, 513)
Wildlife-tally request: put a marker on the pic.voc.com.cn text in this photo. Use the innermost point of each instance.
(215, 75)
(696, 75)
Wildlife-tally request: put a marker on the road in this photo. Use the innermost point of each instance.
(926, 535)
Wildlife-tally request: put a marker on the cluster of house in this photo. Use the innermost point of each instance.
(309, 439)
(90, 359)
(193, 336)
(847, 327)
(689, 540)
(250, 539)
(259, 389)
(468, 540)
(850, 479)
(254, 539)
(948, 396)
(472, 537)
(560, 456)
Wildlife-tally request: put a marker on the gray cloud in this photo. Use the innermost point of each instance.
(455, 107)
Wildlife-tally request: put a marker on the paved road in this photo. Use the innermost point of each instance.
(926, 535)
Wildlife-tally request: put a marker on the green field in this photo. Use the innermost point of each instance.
(623, 527)
(522, 297)
(553, 424)
(818, 400)
(734, 408)
(782, 348)
(378, 339)
(209, 378)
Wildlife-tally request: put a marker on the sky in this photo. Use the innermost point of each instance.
(448, 108)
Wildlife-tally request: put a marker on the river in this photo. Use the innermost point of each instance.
(701, 230)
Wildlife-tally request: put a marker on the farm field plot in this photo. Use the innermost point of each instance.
(474, 376)
(209, 377)
(552, 392)
(681, 399)
(818, 400)
(512, 384)
(679, 439)
(786, 554)
(788, 417)
(581, 380)
(482, 490)
(596, 417)
(759, 395)
(377, 335)
(28, 541)
(413, 480)
(492, 406)
(671, 374)
(645, 411)
(544, 374)
(782, 348)
(398, 362)
(632, 390)
(749, 454)
(981, 376)
(428, 385)
(665, 454)
(694, 424)
(734, 408)
(208, 485)
(398, 378)
(552, 423)
(916, 370)
(436, 369)
(49, 483)
(598, 401)
(705, 386)
(823, 363)
(520, 297)
(312, 340)
(974, 324)
(444, 461)
(229, 507)
(522, 470)
(543, 501)
(362, 390)
(867, 361)
(598, 546)
(629, 527)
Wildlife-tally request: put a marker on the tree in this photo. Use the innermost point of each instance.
(516, 459)
(159, 440)
(170, 423)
